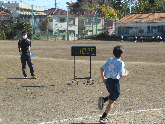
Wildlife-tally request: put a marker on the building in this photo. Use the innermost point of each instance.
(57, 23)
(23, 12)
(5, 19)
(20, 16)
(15, 5)
(87, 22)
(145, 24)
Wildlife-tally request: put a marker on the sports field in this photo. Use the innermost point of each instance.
(49, 100)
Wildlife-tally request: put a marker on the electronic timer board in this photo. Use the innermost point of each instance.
(83, 51)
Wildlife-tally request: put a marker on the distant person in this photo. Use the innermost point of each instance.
(111, 72)
(153, 38)
(161, 39)
(157, 38)
(121, 38)
(24, 49)
(136, 41)
(141, 38)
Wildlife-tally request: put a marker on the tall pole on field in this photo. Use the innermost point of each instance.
(55, 4)
(125, 9)
(67, 25)
(32, 22)
(130, 6)
(96, 20)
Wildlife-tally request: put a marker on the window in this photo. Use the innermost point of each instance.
(153, 28)
(159, 29)
(50, 20)
(148, 29)
(72, 21)
(98, 20)
(62, 20)
(141, 31)
(89, 20)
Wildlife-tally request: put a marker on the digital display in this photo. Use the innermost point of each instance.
(83, 51)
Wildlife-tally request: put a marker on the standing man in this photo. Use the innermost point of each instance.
(121, 38)
(157, 38)
(24, 49)
(136, 39)
(153, 38)
(141, 38)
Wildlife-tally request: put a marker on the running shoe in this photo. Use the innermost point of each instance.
(104, 120)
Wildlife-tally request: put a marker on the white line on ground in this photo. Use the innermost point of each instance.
(119, 113)
(94, 61)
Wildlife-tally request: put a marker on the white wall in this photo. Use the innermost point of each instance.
(57, 25)
(140, 26)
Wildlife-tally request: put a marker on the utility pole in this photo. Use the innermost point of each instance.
(32, 22)
(125, 9)
(55, 4)
(96, 20)
(67, 25)
(130, 3)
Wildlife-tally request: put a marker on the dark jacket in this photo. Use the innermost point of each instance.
(25, 45)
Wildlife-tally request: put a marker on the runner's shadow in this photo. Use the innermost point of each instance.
(20, 78)
(33, 86)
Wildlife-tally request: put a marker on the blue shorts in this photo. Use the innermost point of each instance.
(113, 87)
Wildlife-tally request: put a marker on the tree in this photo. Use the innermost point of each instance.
(103, 7)
(9, 31)
(150, 5)
(2, 35)
(44, 24)
(27, 27)
(108, 11)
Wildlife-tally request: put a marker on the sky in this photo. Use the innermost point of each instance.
(61, 4)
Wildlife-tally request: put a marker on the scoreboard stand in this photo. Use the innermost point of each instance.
(83, 51)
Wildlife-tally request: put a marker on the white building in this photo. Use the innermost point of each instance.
(15, 5)
(87, 22)
(57, 24)
(145, 24)
(23, 12)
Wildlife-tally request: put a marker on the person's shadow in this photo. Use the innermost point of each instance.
(20, 78)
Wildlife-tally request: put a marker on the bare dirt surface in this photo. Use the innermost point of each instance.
(49, 99)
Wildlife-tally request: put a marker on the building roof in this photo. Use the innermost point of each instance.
(143, 17)
(57, 11)
(87, 12)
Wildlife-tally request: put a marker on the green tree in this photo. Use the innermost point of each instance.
(44, 25)
(9, 31)
(104, 7)
(150, 5)
(27, 27)
(2, 35)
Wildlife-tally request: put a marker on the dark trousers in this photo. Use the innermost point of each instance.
(27, 58)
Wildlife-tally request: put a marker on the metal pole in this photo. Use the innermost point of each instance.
(74, 67)
(55, 4)
(96, 20)
(130, 6)
(90, 66)
(32, 22)
(125, 9)
(67, 25)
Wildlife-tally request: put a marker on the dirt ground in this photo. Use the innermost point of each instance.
(48, 99)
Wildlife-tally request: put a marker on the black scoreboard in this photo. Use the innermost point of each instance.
(83, 51)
